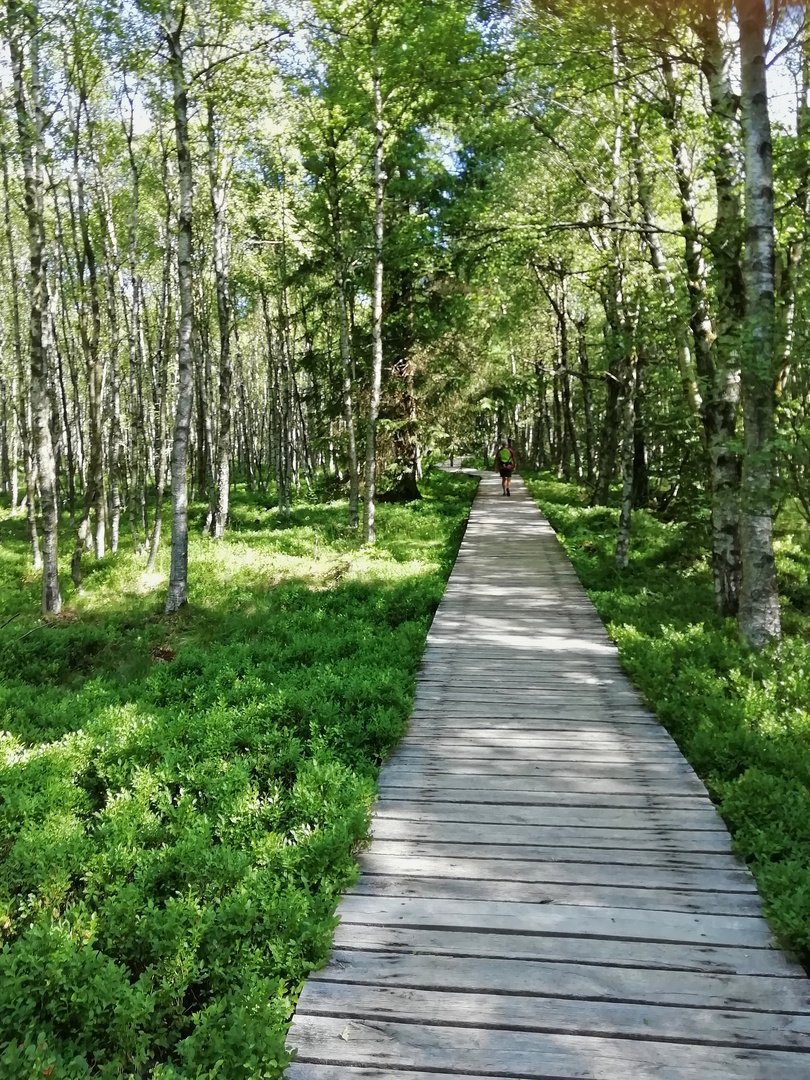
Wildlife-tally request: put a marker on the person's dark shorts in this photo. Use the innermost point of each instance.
(506, 473)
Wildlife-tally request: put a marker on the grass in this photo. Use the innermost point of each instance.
(181, 797)
(741, 719)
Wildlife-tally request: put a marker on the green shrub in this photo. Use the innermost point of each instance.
(182, 796)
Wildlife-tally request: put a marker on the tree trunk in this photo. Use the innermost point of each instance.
(21, 398)
(628, 458)
(587, 396)
(715, 358)
(177, 594)
(686, 366)
(759, 620)
(641, 478)
(613, 302)
(160, 384)
(218, 192)
(369, 534)
(343, 317)
(723, 383)
(23, 25)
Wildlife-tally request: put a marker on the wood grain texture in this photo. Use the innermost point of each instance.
(549, 894)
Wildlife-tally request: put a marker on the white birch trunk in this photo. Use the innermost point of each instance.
(177, 594)
(369, 534)
(759, 619)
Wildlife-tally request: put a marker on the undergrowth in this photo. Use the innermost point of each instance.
(181, 797)
(741, 719)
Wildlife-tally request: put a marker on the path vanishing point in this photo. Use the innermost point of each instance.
(550, 892)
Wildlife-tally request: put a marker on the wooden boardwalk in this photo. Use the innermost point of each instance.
(549, 893)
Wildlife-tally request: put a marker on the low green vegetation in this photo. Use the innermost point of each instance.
(742, 719)
(181, 796)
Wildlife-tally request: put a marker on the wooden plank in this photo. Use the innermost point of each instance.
(311, 1070)
(519, 776)
(592, 855)
(529, 794)
(573, 787)
(532, 729)
(591, 951)
(651, 770)
(588, 896)
(702, 820)
(535, 1056)
(534, 754)
(521, 918)
(517, 835)
(626, 875)
(518, 1012)
(586, 981)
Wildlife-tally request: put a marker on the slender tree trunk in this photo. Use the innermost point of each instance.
(110, 253)
(716, 360)
(21, 398)
(218, 193)
(628, 457)
(160, 385)
(610, 434)
(759, 620)
(641, 477)
(343, 317)
(587, 396)
(614, 302)
(722, 394)
(686, 365)
(789, 262)
(23, 23)
(177, 594)
(369, 534)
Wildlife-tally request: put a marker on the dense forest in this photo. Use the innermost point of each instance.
(263, 264)
(273, 245)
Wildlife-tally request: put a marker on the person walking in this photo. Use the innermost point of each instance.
(505, 460)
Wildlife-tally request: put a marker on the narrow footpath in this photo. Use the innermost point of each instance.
(550, 892)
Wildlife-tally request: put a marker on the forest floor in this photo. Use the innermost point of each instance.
(742, 720)
(182, 795)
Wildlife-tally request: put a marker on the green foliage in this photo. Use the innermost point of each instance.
(181, 796)
(742, 719)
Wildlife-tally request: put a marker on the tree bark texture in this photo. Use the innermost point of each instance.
(369, 534)
(177, 594)
(218, 191)
(23, 23)
(759, 619)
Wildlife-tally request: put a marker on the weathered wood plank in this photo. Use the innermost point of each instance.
(604, 922)
(701, 820)
(516, 835)
(529, 794)
(559, 855)
(601, 952)
(573, 787)
(584, 895)
(631, 875)
(535, 1056)
(586, 981)
(620, 770)
(518, 1012)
